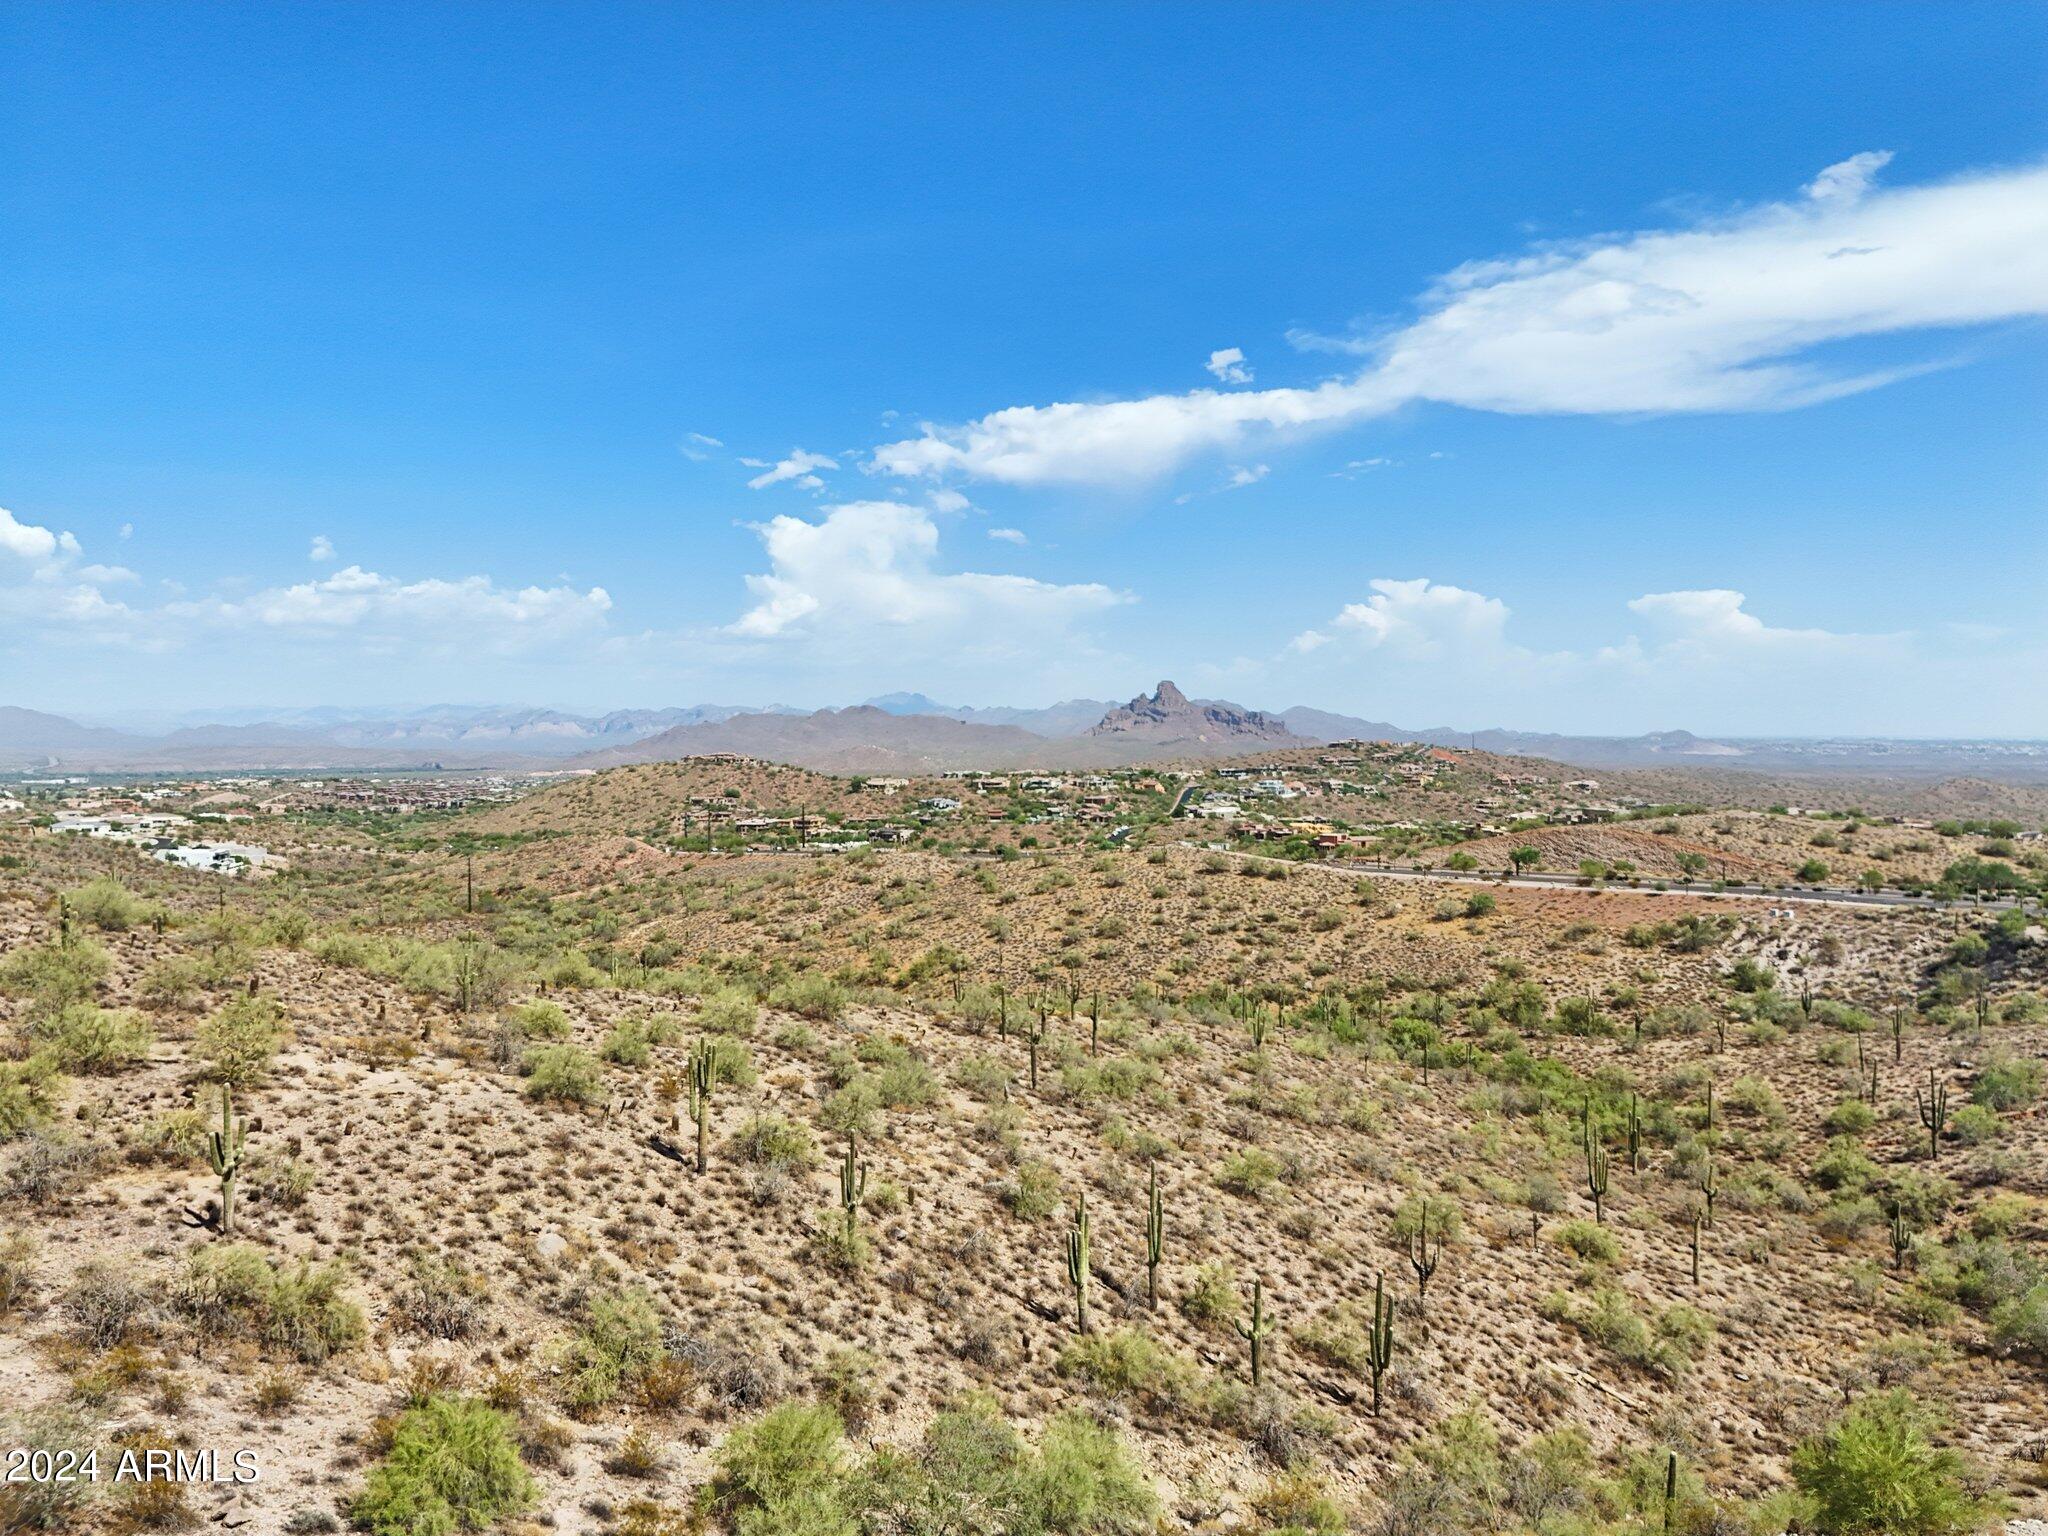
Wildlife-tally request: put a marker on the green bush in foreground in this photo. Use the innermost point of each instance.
(789, 1473)
(452, 1466)
(1877, 1472)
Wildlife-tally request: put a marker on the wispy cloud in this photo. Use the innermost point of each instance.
(1725, 314)
(798, 467)
(322, 549)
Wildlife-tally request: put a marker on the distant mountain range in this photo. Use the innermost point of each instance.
(898, 732)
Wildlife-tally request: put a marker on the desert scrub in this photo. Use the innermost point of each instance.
(1593, 1243)
(453, 1465)
(1033, 1192)
(538, 1019)
(49, 976)
(810, 995)
(237, 1042)
(232, 1287)
(442, 1300)
(1666, 1344)
(564, 1073)
(28, 1093)
(91, 1040)
(1878, 1472)
(106, 904)
(790, 1474)
(172, 982)
(729, 1012)
(618, 1343)
(1211, 1294)
(1253, 1173)
(1130, 1364)
(2011, 1083)
(774, 1142)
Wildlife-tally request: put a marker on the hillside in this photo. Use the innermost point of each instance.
(491, 1182)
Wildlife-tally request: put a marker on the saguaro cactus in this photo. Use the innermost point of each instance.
(1379, 1343)
(1933, 1107)
(1423, 1258)
(1695, 1247)
(224, 1156)
(853, 1184)
(1155, 1238)
(1258, 1029)
(1078, 1261)
(1902, 1237)
(703, 1078)
(1596, 1173)
(1710, 1186)
(1635, 1136)
(1258, 1330)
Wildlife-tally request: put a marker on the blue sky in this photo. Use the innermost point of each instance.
(1590, 367)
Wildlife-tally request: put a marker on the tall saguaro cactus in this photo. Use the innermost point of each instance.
(1078, 1259)
(1596, 1173)
(703, 1078)
(1933, 1107)
(1423, 1258)
(1258, 1330)
(1155, 1238)
(1379, 1343)
(224, 1156)
(853, 1184)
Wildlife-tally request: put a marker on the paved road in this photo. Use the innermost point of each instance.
(1541, 880)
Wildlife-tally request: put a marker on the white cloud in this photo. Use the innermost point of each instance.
(695, 446)
(1849, 179)
(105, 575)
(1008, 535)
(797, 467)
(127, 530)
(383, 611)
(865, 575)
(1724, 315)
(29, 542)
(322, 549)
(1246, 474)
(1228, 364)
(946, 500)
(1716, 621)
(1421, 617)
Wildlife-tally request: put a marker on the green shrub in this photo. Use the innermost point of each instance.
(776, 1143)
(1877, 1472)
(565, 1073)
(539, 1019)
(785, 1473)
(729, 1013)
(628, 1044)
(811, 995)
(619, 1342)
(237, 1042)
(1129, 1363)
(1851, 1117)
(453, 1465)
(50, 976)
(1589, 1241)
(107, 905)
(89, 1039)
(1973, 1125)
(1253, 1172)
(1034, 1193)
(232, 1287)
(2007, 1084)
(28, 1093)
